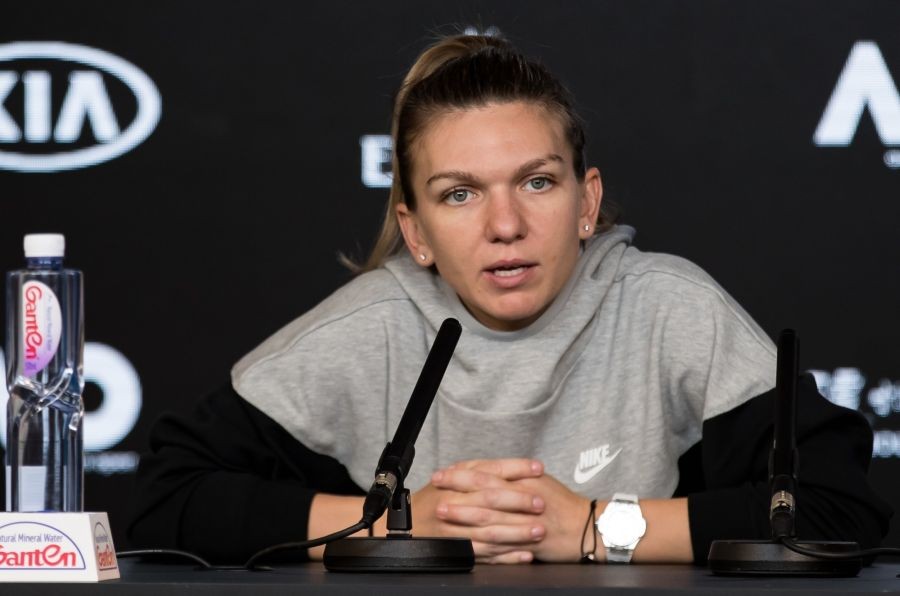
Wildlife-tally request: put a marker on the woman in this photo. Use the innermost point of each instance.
(590, 376)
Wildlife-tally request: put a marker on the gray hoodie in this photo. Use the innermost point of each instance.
(608, 387)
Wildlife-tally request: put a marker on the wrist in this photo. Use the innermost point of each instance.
(330, 513)
(589, 546)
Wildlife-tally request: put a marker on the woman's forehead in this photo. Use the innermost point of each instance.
(495, 136)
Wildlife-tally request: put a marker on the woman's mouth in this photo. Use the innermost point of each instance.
(501, 272)
(509, 274)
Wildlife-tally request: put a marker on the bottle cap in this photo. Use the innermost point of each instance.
(44, 245)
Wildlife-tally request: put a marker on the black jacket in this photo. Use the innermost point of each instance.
(228, 480)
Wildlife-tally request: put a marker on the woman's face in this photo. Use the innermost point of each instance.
(499, 211)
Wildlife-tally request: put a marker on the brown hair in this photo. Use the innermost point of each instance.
(460, 72)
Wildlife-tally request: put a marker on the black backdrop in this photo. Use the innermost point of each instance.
(225, 222)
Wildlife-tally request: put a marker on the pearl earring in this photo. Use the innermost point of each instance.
(422, 256)
(587, 228)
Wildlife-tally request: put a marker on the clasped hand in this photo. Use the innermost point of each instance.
(509, 508)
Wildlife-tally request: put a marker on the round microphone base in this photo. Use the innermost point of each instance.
(758, 557)
(429, 555)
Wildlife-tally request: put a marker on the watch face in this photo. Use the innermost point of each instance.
(621, 526)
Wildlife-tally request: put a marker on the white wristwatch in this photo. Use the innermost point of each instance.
(621, 527)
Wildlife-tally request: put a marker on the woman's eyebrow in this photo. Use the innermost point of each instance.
(452, 174)
(520, 171)
(537, 163)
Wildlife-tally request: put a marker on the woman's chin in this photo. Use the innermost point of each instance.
(511, 317)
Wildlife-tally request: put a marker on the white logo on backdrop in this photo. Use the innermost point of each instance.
(376, 160)
(86, 100)
(845, 386)
(119, 409)
(491, 31)
(864, 83)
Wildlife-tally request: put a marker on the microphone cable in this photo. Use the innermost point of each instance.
(170, 552)
(251, 564)
(797, 547)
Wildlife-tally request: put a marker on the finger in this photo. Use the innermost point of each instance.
(485, 552)
(500, 553)
(485, 507)
(511, 558)
(517, 534)
(466, 480)
(464, 515)
(469, 480)
(507, 468)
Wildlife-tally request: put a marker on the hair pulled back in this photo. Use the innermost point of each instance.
(457, 73)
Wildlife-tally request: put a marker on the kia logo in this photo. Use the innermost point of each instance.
(85, 102)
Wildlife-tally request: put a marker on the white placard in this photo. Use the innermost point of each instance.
(56, 547)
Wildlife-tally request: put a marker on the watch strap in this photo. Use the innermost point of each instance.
(619, 555)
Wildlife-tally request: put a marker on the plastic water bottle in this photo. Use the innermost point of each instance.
(45, 351)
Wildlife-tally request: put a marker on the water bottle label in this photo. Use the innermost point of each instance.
(41, 326)
(32, 486)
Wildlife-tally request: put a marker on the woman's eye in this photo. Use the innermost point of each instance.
(539, 183)
(459, 195)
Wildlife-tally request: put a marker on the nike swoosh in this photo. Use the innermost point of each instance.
(582, 476)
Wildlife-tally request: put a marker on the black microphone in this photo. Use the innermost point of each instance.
(400, 551)
(784, 459)
(784, 555)
(397, 457)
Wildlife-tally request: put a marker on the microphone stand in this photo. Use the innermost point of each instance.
(773, 557)
(400, 551)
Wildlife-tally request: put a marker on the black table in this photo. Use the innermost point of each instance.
(153, 579)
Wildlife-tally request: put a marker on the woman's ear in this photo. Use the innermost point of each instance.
(414, 236)
(591, 197)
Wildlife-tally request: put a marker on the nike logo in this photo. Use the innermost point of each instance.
(591, 461)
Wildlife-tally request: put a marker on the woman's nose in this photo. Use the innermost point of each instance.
(505, 220)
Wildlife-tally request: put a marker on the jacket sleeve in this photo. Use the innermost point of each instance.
(228, 481)
(725, 475)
